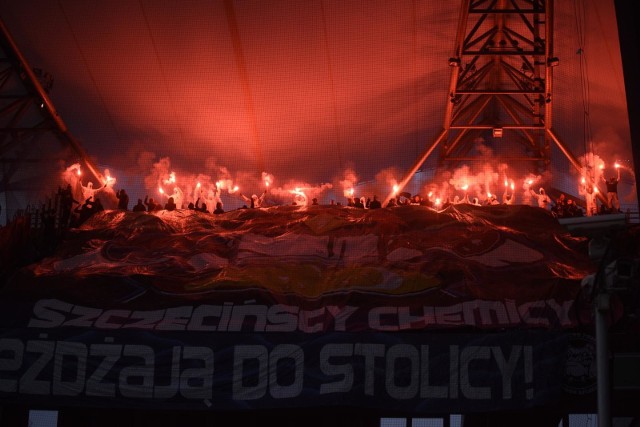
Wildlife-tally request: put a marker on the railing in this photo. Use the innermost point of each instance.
(632, 217)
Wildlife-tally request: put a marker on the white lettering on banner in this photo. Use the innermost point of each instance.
(112, 319)
(86, 316)
(175, 319)
(202, 318)
(108, 355)
(344, 372)
(197, 383)
(311, 321)
(467, 356)
(265, 375)
(66, 354)
(407, 355)
(341, 315)
(14, 348)
(29, 383)
(507, 367)
(427, 390)
(171, 389)
(136, 380)
(472, 313)
(44, 376)
(402, 371)
(336, 361)
(370, 352)
(53, 313)
(286, 352)
(454, 370)
(242, 354)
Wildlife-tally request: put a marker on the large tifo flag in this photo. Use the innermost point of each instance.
(464, 309)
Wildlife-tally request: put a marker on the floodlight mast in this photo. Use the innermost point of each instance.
(454, 63)
(488, 92)
(48, 105)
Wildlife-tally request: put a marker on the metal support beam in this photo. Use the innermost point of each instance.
(574, 162)
(32, 80)
(501, 81)
(414, 168)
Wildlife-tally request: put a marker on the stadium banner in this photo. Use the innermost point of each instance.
(251, 311)
(406, 309)
(416, 372)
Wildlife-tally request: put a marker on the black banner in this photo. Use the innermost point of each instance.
(414, 372)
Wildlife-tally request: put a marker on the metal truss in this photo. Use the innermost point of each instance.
(30, 127)
(501, 85)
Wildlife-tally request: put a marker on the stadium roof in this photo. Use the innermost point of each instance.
(308, 92)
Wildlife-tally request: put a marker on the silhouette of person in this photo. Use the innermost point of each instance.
(492, 200)
(403, 198)
(541, 197)
(254, 201)
(218, 210)
(139, 207)
(123, 200)
(507, 198)
(82, 213)
(66, 204)
(178, 197)
(603, 209)
(299, 199)
(151, 204)
(314, 201)
(87, 209)
(96, 206)
(170, 205)
(202, 208)
(49, 230)
(589, 193)
(613, 203)
(572, 210)
(375, 203)
(560, 206)
(448, 202)
(89, 191)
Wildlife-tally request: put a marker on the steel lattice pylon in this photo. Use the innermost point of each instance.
(501, 85)
(33, 137)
